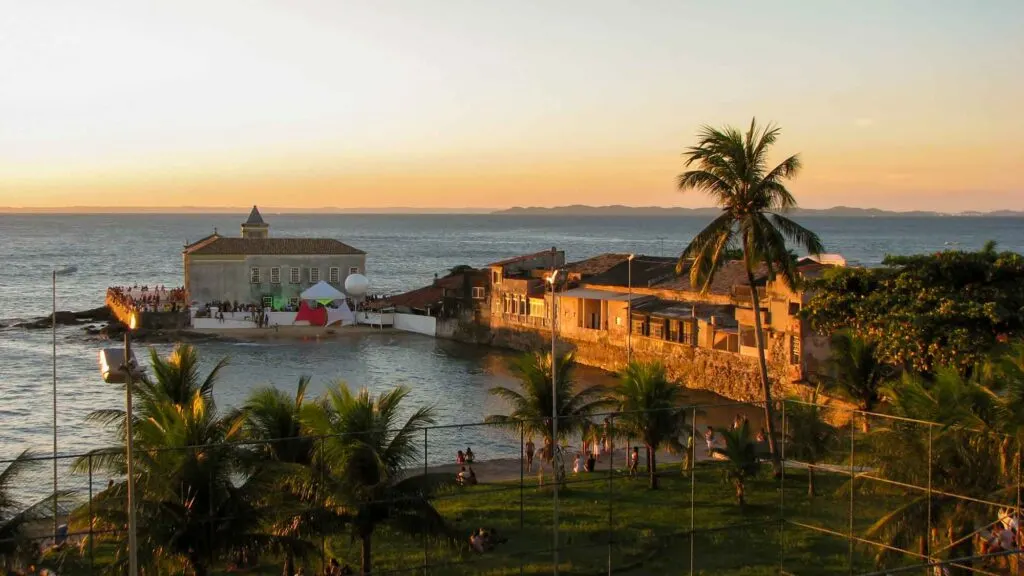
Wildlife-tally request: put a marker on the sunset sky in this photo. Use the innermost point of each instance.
(899, 104)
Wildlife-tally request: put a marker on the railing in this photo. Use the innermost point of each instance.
(525, 320)
(609, 520)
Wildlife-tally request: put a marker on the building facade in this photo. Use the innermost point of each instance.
(259, 269)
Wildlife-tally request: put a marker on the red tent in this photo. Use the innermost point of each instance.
(315, 316)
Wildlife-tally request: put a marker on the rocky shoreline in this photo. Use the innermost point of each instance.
(100, 324)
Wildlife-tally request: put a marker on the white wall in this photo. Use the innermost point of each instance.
(375, 318)
(414, 323)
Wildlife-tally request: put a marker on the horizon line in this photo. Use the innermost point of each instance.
(369, 210)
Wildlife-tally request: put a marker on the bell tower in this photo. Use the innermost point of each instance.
(255, 227)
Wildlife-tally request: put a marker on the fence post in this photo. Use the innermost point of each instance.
(928, 526)
(611, 488)
(522, 480)
(782, 493)
(693, 483)
(853, 489)
(91, 553)
(209, 514)
(323, 504)
(426, 554)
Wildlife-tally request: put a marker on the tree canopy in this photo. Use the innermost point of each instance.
(947, 308)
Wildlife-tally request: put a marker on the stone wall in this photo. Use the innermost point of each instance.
(731, 375)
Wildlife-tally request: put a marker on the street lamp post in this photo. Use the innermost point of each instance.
(133, 558)
(555, 462)
(629, 305)
(53, 326)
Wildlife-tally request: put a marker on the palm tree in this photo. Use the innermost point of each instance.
(531, 406)
(856, 373)
(366, 451)
(733, 169)
(175, 380)
(192, 508)
(284, 453)
(197, 499)
(650, 409)
(964, 444)
(16, 547)
(809, 437)
(741, 453)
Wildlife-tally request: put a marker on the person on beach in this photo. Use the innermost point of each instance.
(469, 455)
(634, 461)
(530, 447)
(590, 463)
(460, 458)
(709, 439)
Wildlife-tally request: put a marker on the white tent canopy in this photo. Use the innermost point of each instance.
(322, 291)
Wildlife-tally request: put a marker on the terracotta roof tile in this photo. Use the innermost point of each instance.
(731, 274)
(596, 265)
(271, 246)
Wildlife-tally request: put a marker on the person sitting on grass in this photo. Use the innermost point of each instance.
(471, 478)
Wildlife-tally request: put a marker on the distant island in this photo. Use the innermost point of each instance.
(841, 211)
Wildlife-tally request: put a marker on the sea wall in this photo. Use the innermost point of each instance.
(121, 308)
(731, 375)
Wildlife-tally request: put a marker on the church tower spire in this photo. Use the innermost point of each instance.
(255, 227)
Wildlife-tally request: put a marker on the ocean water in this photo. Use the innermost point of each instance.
(404, 251)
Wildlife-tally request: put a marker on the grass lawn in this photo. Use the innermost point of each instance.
(649, 529)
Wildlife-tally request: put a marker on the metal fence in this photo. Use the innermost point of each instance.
(866, 514)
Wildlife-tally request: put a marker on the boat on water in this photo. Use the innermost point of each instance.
(66, 270)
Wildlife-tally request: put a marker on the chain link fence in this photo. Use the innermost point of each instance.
(854, 493)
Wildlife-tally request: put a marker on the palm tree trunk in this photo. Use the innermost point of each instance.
(365, 561)
(769, 407)
(198, 565)
(810, 481)
(652, 468)
(740, 493)
(289, 564)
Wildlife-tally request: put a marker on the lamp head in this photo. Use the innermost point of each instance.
(133, 320)
(631, 257)
(553, 277)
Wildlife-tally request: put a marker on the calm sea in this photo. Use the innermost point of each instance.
(404, 251)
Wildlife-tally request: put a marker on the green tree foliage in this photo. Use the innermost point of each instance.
(974, 446)
(17, 548)
(949, 308)
(367, 449)
(193, 509)
(808, 435)
(732, 167)
(650, 409)
(740, 452)
(531, 406)
(855, 373)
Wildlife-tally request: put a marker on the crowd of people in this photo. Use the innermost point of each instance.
(150, 298)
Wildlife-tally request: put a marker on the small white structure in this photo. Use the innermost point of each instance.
(323, 293)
